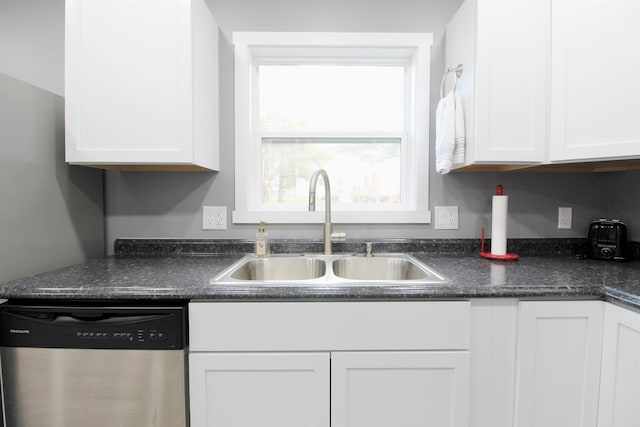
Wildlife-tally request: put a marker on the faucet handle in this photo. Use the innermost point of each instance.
(338, 237)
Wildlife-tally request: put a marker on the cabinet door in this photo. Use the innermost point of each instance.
(558, 363)
(139, 82)
(493, 361)
(417, 389)
(595, 93)
(503, 46)
(619, 391)
(511, 81)
(259, 389)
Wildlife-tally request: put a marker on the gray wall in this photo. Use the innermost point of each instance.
(168, 205)
(32, 42)
(51, 214)
(624, 200)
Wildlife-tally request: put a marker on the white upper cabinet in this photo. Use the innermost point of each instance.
(548, 82)
(595, 75)
(502, 45)
(141, 84)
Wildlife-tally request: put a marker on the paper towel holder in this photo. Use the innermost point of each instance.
(489, 255)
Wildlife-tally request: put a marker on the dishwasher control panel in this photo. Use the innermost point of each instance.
(139, 335)
(92, 327)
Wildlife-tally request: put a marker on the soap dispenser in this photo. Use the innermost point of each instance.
(263, 248)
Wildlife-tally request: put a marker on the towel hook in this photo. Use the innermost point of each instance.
(458, 72)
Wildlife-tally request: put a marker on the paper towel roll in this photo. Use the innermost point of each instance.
(499, 225)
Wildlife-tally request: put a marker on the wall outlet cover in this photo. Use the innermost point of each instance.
(564, 218)
(446, 217)
(214, 217)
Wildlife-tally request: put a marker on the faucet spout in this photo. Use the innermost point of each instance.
(327, 205)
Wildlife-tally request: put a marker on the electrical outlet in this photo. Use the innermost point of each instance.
(214, 217)
(564, 218)
(446, 217)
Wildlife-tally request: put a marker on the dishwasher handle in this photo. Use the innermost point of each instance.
(93, 317)
(102, 318)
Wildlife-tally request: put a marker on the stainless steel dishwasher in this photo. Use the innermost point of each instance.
(93, 365)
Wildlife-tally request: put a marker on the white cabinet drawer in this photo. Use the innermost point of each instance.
(313, 326)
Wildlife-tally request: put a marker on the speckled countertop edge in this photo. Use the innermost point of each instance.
(182, 270)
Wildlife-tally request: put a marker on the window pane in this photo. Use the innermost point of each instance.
(336, 98)
(363, 172)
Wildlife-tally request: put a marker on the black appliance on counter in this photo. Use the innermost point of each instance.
(608, 240)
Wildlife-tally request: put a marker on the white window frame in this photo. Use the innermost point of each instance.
(250, 46)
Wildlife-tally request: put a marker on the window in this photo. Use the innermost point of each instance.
(354, 104)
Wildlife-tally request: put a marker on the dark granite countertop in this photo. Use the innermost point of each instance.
(186, 275)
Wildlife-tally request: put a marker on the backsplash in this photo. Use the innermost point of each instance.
(190, 247)
(529, 247)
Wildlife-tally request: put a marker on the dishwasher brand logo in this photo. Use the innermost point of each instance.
(19, 331)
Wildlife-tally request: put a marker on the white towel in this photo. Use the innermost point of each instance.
(458, 149)
(450, 136)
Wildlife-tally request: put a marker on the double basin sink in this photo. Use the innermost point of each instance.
(339, 269)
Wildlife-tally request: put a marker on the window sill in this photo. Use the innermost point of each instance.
(337, 217)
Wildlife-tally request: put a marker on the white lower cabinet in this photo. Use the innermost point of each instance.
(338, 364)
(485, 363)
(494, 323)
(620, 385)
(554, 364)
(263, 389)
(341, 389)
(558, 363)
(383, 389)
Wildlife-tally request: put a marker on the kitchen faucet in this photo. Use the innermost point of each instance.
(329, 237)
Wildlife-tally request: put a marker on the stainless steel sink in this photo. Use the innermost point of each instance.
(329, 270)
(279, 268)
(385, 267)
